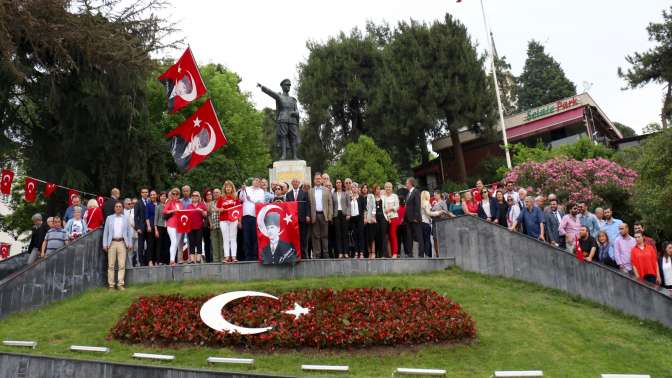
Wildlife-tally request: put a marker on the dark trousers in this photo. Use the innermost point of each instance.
(381, 237)
(163, 246)
(357, 231)
(414, 233)
(650, 278)
(144, 250)
(426, 240)
(250, 238)
(152, 252)
(341, 233)
(331, 239)
(195, 241)
(303, 235)
(320, 237)
(207, 244)
(401, 239)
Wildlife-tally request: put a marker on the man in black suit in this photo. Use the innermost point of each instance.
(413, 219)
(297, 194)
(552, 219)
(142, 227)
(277, 251)
(108, 206)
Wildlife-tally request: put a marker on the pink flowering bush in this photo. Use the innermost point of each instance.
(596, 181)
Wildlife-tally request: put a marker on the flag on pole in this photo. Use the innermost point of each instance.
(6, 184)
(30, 191)
(183, 82)
(196, 138)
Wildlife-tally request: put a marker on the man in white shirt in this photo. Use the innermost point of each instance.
(321, 213)
(117, 239)
(250, 196)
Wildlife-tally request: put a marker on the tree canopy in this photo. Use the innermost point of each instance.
(364, 162)
(654, 65)
(543, 80)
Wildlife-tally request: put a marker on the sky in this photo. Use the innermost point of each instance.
(264, 40)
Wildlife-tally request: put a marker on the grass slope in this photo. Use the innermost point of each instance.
(520, 327)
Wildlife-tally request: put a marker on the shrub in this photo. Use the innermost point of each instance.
(352, 318)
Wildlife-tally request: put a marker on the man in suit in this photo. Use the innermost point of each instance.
(108, 206)
(298, 195)
(413, 219)
(142, 227)
(321, 213)
(552, 219)
(117, 240)
(277, 251)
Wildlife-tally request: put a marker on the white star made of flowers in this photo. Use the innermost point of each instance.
(298, 311)
(197, 122)
(288, 218)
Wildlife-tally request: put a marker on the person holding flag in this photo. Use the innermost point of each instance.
(230, 209)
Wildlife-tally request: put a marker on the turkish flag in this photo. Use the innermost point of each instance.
(30, 192)
(196, 138)
(100, 200)
(4, 250)
(183, 221)
(183, 82)
(278, 233)
(477, 195)
(6, 184)
(577, 250)
(234, 213)
(49, 189)
(71, 194)
(433, 201)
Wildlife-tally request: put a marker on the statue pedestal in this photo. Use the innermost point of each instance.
(286, 170)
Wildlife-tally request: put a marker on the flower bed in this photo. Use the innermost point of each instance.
(352, 318)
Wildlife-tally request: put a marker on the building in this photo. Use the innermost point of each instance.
(554, 124)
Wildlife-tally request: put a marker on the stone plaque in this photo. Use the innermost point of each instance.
(286, 170)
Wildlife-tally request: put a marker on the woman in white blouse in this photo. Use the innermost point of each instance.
(665, 264)
(391, 208)
(427, 214)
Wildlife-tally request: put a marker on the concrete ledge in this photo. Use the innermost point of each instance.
(482, 247)
(69, 271)
(22, 365)
(248, 271)
(13, 264)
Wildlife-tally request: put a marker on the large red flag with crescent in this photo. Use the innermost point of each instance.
(278, 233)
(6, 183)
(183, 82)
(30, 191)
(183, 221)
(196, 138)
(49, 189)
(4, 250)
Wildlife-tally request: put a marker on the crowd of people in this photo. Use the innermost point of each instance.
(339, 219)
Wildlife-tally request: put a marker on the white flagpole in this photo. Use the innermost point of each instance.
(494, 78)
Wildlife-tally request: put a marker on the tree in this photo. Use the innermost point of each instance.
(543, 80)
(436, 85)
(508, 85)
(652, 128)
(653, 190)
(626, 131)
(364, 162)
(654, 65)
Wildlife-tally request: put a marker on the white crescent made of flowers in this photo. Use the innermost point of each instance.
(211, 312)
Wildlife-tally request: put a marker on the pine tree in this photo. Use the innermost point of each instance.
(543, 80)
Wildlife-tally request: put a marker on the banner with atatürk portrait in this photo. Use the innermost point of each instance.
(278, 233)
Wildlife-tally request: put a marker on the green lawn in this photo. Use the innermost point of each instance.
(520, 327)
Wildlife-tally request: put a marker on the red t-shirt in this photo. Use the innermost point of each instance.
(93, 218)
(472, 206)
(172, 204)
(227, 202)
(197, 216)
(644, 260)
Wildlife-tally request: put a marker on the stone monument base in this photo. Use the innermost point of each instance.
(286, 170)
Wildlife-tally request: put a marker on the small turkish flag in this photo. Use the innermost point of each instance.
(183, 82)
(6, 184)
(196, 138)
(183, 221)
(49, 189)
(4, 250)
(578, 251)
(477, 195)
(101, 201)
(72, 194)
(30, 192)
(235, 212)
(433, 201)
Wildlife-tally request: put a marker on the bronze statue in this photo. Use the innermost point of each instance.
(287, 117)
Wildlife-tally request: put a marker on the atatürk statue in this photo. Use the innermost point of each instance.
(287, 113)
